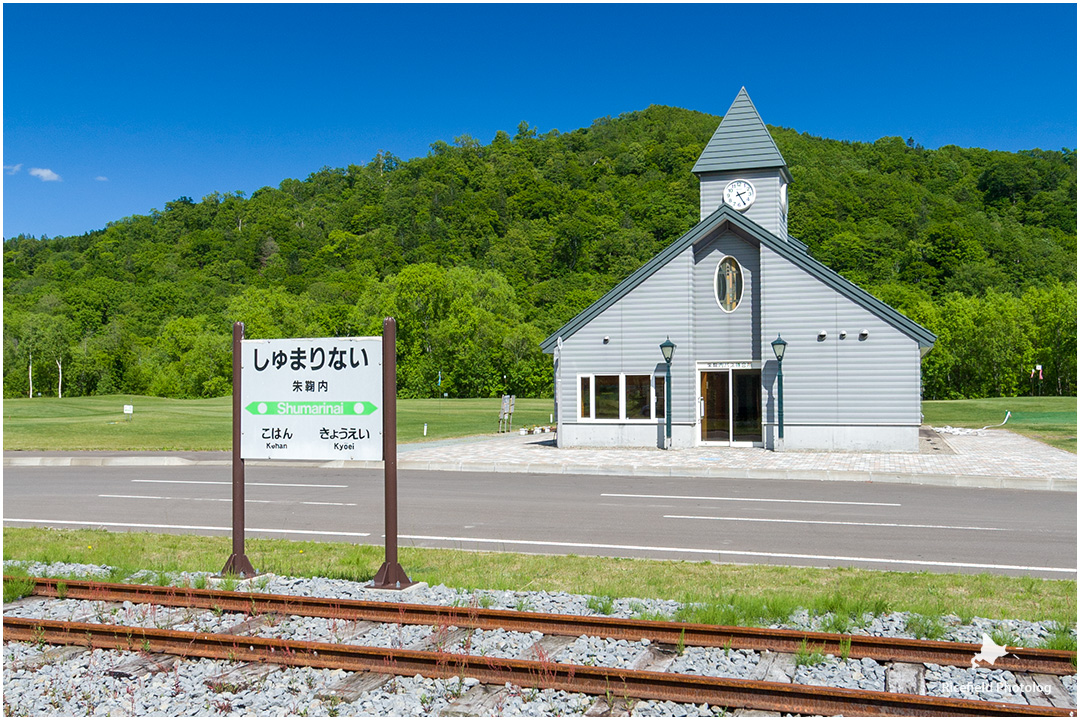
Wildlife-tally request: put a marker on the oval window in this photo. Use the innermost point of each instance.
(728, 284)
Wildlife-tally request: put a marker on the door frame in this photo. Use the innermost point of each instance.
(728, 367)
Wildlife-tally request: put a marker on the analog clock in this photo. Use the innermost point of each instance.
(739, 194)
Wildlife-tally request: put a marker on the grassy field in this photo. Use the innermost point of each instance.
(1049, 419)
(746, 594)
(99, 423)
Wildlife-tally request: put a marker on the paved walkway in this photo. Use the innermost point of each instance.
(992, 459)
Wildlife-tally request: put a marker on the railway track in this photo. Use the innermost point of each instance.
(645, 681)
(1054, 662)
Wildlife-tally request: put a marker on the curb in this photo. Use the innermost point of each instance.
(1055, 484)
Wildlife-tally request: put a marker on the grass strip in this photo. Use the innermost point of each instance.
(164, 424)
(759, 594)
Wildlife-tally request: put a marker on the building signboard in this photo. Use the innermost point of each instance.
(726, 365)
(311, 399)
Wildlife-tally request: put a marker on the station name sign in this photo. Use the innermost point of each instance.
(311, 399)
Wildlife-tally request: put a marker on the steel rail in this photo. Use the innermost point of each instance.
(1018, 659)
(597, 681)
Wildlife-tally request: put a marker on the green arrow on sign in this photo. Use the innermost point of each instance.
(346, 407)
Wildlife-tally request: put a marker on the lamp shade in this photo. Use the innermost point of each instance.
(779, 345)
(668, 348)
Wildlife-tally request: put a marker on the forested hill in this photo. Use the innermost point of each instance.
(481, 250)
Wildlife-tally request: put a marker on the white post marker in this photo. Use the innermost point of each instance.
(312, 399)
(129, 411)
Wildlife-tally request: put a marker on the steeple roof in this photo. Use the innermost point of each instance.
(741, 142)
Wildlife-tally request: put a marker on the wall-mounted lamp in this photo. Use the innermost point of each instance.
(843, 334)
(863, 334)
(822, 335)
(606, 339)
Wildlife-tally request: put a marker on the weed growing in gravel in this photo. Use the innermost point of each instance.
(836, 623)
(17, 588)
(523, 605)
(1061, 637)
(604, 605)
(230, 582)
(808, 655)
(200, 582)
(1005, 638)
(925, 627)
(845, 649)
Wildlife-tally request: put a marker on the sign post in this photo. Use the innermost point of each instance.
(316, 399)
(238, 563)
(391, 575)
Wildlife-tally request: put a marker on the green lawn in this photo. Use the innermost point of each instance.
(99, 423)
(1049, 419)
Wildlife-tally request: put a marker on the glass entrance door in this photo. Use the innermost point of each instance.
(746, 399)
(731, 406)
(715, 406)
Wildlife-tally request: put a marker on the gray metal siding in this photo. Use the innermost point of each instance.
(790, 249)
(635, 325)
(721, 336)
(766, 208)
(872, 381)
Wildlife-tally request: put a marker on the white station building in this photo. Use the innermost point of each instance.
(723, 294)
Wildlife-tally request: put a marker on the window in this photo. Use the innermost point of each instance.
(620, 397)
(638, 397)
(728, 284)
(607, 397)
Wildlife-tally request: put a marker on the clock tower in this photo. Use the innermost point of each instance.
(742, 168)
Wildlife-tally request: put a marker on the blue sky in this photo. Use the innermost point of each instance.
(112, 110)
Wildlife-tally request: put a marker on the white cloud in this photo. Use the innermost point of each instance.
(45, 174)
(12, 169)
(102, 178)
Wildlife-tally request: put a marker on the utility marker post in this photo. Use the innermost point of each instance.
(391, 575)
(238, 563)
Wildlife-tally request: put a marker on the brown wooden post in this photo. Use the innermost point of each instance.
(238, 563)
(391, 575)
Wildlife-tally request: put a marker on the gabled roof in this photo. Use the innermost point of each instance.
(741, 142)
(726, 218)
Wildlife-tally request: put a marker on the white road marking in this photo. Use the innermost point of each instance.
(742, 499)
(746, 553)
(246, 500)
(246, 483)
(186, 527)
(832, 522)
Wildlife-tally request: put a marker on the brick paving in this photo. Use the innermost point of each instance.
(992, 458)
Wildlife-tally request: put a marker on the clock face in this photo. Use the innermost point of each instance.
(739, 194)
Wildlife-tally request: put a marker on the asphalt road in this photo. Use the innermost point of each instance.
(822, 524)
